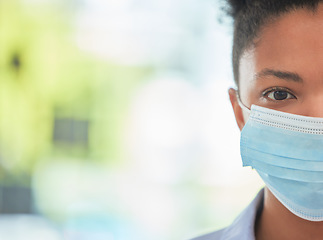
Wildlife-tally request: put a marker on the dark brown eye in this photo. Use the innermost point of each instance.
(280, 95)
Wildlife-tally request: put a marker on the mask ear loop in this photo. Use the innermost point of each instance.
(244, 107)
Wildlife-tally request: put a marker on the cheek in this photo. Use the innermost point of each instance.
(245, 117)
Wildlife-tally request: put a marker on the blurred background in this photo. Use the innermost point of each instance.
(115, 121)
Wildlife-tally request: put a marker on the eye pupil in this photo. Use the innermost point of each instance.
(280, 95)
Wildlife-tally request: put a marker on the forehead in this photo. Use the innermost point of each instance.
(293, 42)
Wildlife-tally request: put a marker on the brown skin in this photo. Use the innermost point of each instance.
(293, 45)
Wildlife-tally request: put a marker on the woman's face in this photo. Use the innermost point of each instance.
(284, 70)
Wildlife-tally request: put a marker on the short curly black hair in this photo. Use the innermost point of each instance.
(251, 15)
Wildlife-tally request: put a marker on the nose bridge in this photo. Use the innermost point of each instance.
(314, 108)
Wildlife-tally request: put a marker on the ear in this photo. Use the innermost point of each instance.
(238, 113)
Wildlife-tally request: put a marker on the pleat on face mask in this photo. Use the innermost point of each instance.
(287, 152)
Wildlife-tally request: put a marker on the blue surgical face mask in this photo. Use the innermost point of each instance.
(287, 152)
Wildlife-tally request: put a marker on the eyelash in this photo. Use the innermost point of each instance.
(273, 89)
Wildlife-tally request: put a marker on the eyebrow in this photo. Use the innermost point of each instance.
(285, 75)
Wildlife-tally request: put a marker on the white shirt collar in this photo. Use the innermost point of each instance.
(242, 227)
